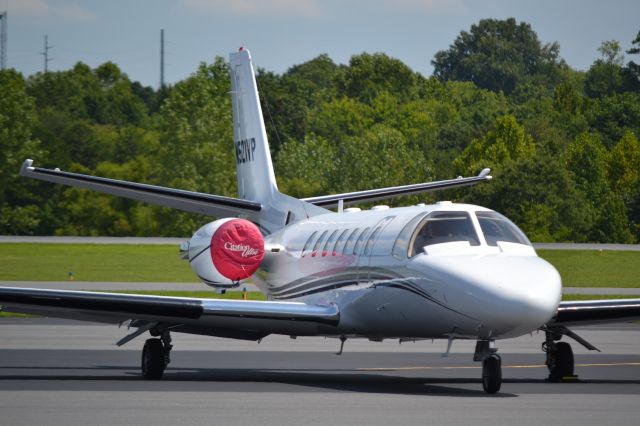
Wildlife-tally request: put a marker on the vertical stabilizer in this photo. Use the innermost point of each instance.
(256, 180)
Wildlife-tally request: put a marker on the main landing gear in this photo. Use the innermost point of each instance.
(491, 365)
(559, 356)
(155, 354)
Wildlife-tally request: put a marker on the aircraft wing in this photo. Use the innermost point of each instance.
(597, 311)
(195, 202)
(329, 201)
(239, 319)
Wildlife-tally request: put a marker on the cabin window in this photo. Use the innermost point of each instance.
(307, 245)
(318, 244)
(340, 241)
(444, 227)
(371, 240)
(351, 241)
(358, 247)
(378, 234)
(330, 241)
(496, 227)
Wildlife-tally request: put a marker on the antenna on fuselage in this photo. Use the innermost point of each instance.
(342, 340)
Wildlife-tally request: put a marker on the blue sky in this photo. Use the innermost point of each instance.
(282, 33)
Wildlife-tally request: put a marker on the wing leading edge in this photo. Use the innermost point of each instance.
(597, 311)
(195, 202)
(225, 318)
(349, 198)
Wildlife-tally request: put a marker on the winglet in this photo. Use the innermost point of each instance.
(26, 167)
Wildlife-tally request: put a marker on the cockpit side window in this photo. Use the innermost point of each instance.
(496, 227)
(443, 227)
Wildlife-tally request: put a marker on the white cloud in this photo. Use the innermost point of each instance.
(317, 8)
(435, 7)
(449, 7)
(28, 8)
(73, 12)
(306, 8)
(43, 8)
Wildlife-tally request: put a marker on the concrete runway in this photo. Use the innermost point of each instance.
(64, 372)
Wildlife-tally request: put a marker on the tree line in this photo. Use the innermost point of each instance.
(562, 143)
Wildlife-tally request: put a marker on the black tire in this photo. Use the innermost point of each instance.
(153, 364)
(491, 374)
(563, 365)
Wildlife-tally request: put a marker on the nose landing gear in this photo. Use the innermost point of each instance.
(491, 365)
(492, 373)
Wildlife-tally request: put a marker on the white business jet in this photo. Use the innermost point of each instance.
(442, 271)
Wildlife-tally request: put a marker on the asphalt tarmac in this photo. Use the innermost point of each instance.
(59, 372)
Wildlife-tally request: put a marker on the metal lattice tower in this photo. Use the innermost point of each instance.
(3, 40)
(161, 59)
(45, 53)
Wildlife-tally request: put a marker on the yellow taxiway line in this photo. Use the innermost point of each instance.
(470, 367)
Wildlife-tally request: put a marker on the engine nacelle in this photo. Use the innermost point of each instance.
(226, 251)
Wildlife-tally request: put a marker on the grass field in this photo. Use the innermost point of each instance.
(93, 262)
(593, 268)
(161, 263)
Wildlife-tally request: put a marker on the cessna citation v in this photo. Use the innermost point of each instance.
(442, 271)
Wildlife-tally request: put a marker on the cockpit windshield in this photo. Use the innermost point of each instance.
(444, 227)
(496, 227)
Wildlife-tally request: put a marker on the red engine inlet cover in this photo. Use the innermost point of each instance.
(237, 248)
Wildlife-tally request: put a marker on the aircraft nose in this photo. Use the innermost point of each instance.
(510, 295)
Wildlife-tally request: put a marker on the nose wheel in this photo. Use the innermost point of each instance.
(491, 365)
(492, 373)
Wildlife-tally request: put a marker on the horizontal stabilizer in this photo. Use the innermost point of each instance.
(195, 202)
(329, 201)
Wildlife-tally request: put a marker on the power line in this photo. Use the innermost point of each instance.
(45, 53)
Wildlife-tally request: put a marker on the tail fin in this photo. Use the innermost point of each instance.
(256, 179)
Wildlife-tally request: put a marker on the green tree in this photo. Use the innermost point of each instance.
(339, 118)
(307, 169)
(506, 142)
(633, 68)
(497, 55)
(196, 142)
(624, 175)
(624, 165)
(380, 157)
(287, 99)
(370, 74)
(101, 96)
(537, 193)
(18, 205)
(606, 75)
(587, 160)
(612, 116)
